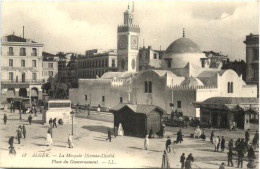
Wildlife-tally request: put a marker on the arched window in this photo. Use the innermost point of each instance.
(146, 87)
(228, 89)
(231, 87)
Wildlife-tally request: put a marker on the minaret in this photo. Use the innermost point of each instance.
(128, 43)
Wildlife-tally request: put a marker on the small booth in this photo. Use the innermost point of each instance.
(221, 112)
(138, 119)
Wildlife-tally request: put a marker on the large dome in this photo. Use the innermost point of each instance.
(183, 45)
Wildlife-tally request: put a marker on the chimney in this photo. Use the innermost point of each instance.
(23, 31)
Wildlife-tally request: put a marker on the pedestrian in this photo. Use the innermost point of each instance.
(30, 119)
(48, 139)
(247, 135)
(179, 137)
(230, 144)
(188, 164)
(5, 119)
(234, 126)
(203, 136)
(19, 134)
(54, 123)
(70, 141)
(34, 111)
(50, 122)
(182, 160)
(150, 133)
(108, 135)
(251, 153)
(216, 143)
(5, 108)
(256, 138)
(115, 131)
(223, 144)
(165, 160)
(230, 157)
(24, 131)
(12, 107)
(197, 132)
(120, 130)
(240, 155)
(168, 145)
(11, 141)
(237, 143)
(211, 136)
(12, 151)
(222, 166)
(60, 122)
(50, 131)
(190, 157)
(146, 142)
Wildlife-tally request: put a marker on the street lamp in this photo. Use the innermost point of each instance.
(72, 116)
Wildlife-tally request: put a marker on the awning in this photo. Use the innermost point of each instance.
(230, 103)
(10, 94)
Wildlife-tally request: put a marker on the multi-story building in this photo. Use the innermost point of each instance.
(21, 64)
(252, 59)
(68, 70)
(49, 68)
(96, 62)
(149, 58)
(214, 59)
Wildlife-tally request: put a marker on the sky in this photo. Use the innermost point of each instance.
(77, 26)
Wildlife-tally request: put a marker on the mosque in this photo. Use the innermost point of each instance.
(185, 83)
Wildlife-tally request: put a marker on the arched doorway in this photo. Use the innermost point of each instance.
(23, 92)
(34, 94)
(10, 94)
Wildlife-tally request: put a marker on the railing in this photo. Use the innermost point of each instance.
(22, 53)
(10, 53)
(34, 54)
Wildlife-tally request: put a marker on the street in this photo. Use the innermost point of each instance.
(92, 150)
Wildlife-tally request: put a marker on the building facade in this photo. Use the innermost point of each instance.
(96, 62)
(21, 65)
(252, 59)
(128, 43)
(49, 68)
(149, 58)
(68, 70)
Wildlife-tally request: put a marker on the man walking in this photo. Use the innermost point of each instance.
(30, 119)
(230, 144)
(247, 136)
(50, 131)
(19, 134)
(108, 135)
(216, 143)
(211, 136)
(11, 141)
(182, 160)
(179, 137)
(54, 123)
(230, 157)
(115, 131)
(168, 145)
(223, 144)
(240, 155)
(5, 119)
(24, 131)
(50, 122)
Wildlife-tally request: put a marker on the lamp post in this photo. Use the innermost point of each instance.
(72, 116)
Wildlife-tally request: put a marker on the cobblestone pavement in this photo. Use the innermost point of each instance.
(92, 150)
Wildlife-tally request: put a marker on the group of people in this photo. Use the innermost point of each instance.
(117, 132)
(219, 142)
(20, 132)
(198, 134)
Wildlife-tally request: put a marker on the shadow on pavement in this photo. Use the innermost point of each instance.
(101, 129)
(45, 145)
(40, 137)
(137, 148)
(59, 146)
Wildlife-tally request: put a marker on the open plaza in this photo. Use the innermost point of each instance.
(92, 150)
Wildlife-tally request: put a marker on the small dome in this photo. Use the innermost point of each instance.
(192, 81)
(183, 45)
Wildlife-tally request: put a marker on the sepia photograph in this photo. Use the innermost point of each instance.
(129, 84)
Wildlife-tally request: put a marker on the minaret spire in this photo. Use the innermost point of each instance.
(183, 33)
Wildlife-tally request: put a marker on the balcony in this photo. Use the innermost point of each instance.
(10, 53)
(34, 54)
(20, 84)
(22, 53)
